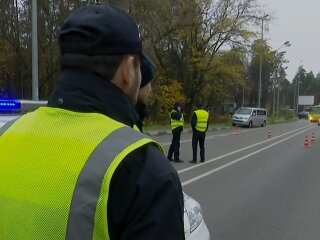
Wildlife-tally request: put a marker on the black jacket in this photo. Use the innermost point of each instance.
(145, 196)
(142, 111)
(176, 115)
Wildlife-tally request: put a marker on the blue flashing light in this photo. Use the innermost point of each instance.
(10, 105)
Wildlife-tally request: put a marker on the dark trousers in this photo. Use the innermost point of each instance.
(198, 137)
(175, 145)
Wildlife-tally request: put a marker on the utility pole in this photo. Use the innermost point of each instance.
(243, 97)
(130, 6)
(278, 101)
(274, 94)
(299, 79)
(276, 78)
(35, 71)
(260, 68)
(294, 96)
(298, 94)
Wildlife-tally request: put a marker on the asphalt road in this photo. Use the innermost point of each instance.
(252, 187)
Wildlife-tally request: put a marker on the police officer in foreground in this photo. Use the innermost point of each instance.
(77, 169)
(177, 122)
(199, 125)
(147, 74)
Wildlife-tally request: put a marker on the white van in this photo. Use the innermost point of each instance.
(250, 117)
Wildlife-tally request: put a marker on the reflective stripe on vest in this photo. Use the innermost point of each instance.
(176, 123)
(60, 165)
(202, 120)
(87, 190)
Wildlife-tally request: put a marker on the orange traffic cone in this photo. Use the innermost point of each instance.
(237, 133)
(269, 134)
(306, 142)
(313, 138)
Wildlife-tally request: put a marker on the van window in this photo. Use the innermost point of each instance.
(262, 112)
(244, 111)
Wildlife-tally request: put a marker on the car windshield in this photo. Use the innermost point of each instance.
(315, 110)
(244, 111)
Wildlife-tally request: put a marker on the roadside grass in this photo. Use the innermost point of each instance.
(150, 126)
(277, 120)
(227, 123)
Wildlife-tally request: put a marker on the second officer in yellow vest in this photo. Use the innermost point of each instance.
(177, 122)
(199, 124)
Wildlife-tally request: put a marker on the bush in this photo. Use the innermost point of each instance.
(218, 118)
(287, 114)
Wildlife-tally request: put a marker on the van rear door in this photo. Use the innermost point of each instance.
(254, 118)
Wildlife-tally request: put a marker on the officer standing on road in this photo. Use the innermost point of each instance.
(199, 124)
(76, 169)
(147, 74)
(177, 122)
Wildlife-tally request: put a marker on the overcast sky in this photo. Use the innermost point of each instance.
(296, 21)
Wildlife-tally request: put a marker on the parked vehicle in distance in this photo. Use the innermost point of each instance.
(303, 115)
(250, 117)
(314, 114)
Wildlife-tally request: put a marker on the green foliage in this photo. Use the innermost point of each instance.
(227, 78)
(196, 45)
(260, 49)
(287, 114)
(309, 84)
(164, 96)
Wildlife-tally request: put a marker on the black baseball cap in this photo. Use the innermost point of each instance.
(148, 71)
(100, 30)
(199, 104)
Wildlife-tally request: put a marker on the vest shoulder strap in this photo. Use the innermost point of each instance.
(98, 172)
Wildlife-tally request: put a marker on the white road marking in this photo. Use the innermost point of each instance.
(210, 137)
(236, 151)
(240, 159)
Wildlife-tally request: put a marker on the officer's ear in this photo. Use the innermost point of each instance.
(126, 75)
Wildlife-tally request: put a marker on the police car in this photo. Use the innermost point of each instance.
(194, 225)
(9, 110)
(12, 109)
(6, 118)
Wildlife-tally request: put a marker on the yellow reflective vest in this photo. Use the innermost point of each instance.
(202, 120)
(176, 123)
(55, 171)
